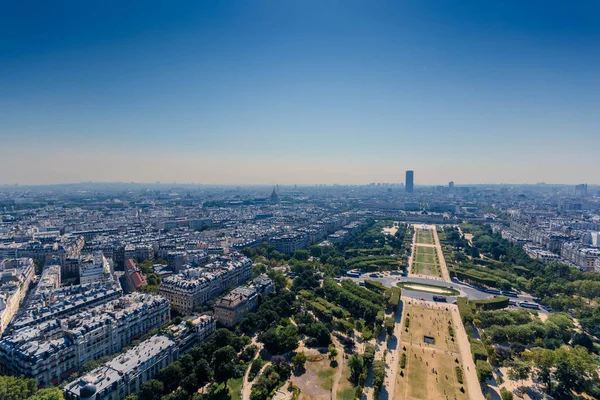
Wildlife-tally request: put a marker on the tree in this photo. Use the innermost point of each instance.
(389, 325)
(301, 255)
(320, 332)
(575, 369)
(543, 359)
(505, 394)
(151, 390)
(278, 278)
(13, 388)
(170, 376)
(315, 251)
(356, 365)
(190, 383)
(224, 359)
(332, 352)
(202, 371)
(177, 395)
(48, 394)
(519, 370)
(281, 339)
(299, 360)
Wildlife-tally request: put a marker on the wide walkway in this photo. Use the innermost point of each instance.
(472, 382)
(440, 252)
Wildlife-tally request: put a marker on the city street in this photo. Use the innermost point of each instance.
(465, 290)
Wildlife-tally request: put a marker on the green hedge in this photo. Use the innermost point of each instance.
(379, 318)
(393, 296)
(389, 325)
(459, 374)
(465, 309)
(484, 370)
(478, 350)
(496, 303)
(476, 277)
(375, 286)
(370, 295)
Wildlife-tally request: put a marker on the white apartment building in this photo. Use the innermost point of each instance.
(193, 287)
(580, 255)
(125, 374)
(540, 253)
(53, 350)
(94, 269)
(15, 277)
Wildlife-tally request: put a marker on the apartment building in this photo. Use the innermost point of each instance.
(139, 252)
(539, 253)
(193, 287)
(133, 276)
(15, 277)
(125, 374)
(232, 308)
(53, 350)
(65, 301)
(95, 268)
(580, 255)
(289, 243)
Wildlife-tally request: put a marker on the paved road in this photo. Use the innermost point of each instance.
(466, 290)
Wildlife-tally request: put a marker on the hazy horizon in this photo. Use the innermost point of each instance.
(300, 92)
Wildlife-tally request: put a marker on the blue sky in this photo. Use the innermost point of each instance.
(300, 91)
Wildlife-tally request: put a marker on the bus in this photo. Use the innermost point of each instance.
(510, 293)
(533, 306)
(439, 298)
(353, 274)
(492, 291)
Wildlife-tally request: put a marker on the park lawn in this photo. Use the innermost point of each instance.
(417, 377)
(235, 388)
(326, 378)
(419, 380)
(423, 257)
(345, 389)
(426, 269)
(316, 381)
(425, 236)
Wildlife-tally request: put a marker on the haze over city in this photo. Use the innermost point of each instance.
(299, 200)
(299, 92)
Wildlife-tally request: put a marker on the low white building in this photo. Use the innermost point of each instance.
(94, 269)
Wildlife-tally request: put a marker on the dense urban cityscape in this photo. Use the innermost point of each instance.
(133, 291)
(299, 200)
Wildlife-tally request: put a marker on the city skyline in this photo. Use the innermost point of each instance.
(299, 93)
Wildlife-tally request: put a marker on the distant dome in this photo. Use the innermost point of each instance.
(88, 390)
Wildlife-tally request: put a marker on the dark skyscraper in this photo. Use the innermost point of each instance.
(410, 176)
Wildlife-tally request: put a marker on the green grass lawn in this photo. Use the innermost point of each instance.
(425, 261)
(426, 255)
(426, 269)
(326, 378)
(345, 389)
(425, 236)
(235, 388)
